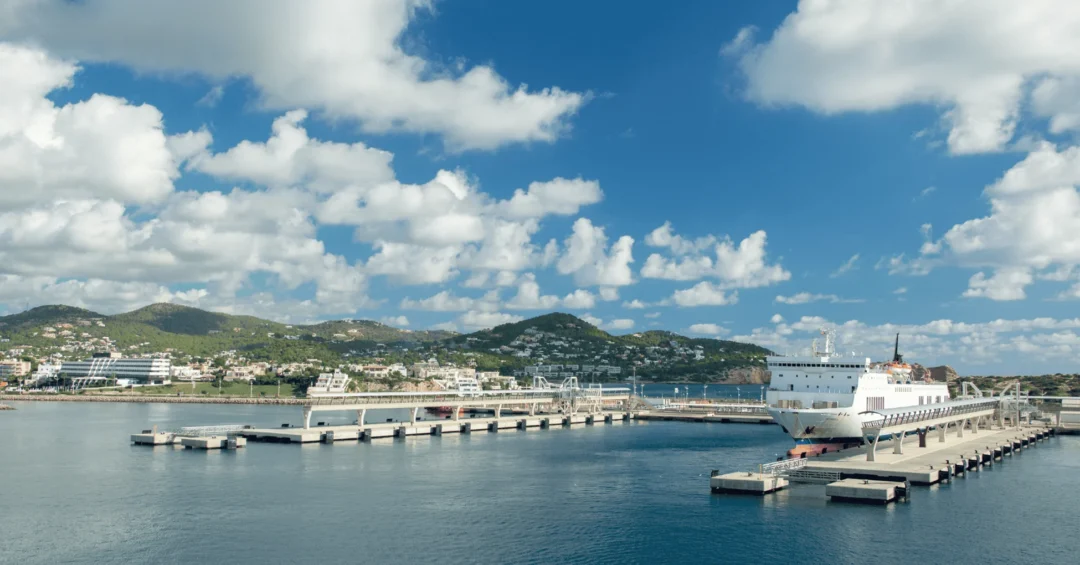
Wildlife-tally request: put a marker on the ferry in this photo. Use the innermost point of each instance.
(822, 400)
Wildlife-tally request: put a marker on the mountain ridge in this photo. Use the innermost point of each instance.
(551, 338)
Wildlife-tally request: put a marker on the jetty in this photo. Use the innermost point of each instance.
(914, 445)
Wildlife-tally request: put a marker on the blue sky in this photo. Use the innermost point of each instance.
(778, 142)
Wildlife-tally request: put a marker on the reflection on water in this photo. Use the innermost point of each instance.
(76, 492)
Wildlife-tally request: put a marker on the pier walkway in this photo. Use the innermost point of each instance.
(566, 400)
(898, 422)
(923, 463)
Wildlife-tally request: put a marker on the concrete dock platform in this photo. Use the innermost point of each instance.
(213, 442)
(865, 491)
(924, 465)
(154, 438)
(368, 432)
(747, 483)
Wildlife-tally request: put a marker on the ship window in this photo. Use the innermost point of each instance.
(849, 376)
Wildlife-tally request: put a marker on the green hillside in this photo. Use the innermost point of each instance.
(555, 338)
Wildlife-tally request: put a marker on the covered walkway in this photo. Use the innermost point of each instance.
(898, 422)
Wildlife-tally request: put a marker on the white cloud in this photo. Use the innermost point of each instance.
(528, 296)
(102, 147)
(580, 299)
(560, 196)
(290, 158)
(1006, 284)
(735, 266)
(704, 294)
(478, 320)
(1033, 225)
(589, 260)
(591, 319)
(413, 264)
(609, 293)
(634, 304)
(707, 329)
(444, 301)
(806, 298)
(848, 265)
(776, 319)
(619, 324)
(396, 321)
(652, 315)
(344, 58)
(901, 290)
(973, 58)
(1045, 343)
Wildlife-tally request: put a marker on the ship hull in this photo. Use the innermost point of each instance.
(819, 431)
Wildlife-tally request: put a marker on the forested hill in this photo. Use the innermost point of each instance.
(550, 339)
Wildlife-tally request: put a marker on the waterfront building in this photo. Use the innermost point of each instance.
(126, 370)
(13, 368)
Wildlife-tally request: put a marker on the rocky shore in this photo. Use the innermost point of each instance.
(162, 399)
(6, 407)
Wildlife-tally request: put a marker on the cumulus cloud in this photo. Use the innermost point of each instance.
(306, 55)
(1031, 232)
(634, 304)
(396, 321)
(588, 258)
(707, 329)
(704, 294)
(559, 196)
(1006, 284)
(619, 324)
(806, 298)
(290, 158)
(1043, 341)
(741, 265)
(973, 58)
(480, 320)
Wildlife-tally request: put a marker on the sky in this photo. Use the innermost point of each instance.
(752, 171)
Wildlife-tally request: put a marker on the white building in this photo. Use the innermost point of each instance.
(131, 370)
(330, 383)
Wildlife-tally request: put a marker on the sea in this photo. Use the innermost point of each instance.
(74, 490)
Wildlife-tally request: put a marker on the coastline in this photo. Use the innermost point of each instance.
(147, 399)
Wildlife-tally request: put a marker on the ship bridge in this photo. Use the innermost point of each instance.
(897, 422)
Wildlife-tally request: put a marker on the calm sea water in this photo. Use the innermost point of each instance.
(75, 491)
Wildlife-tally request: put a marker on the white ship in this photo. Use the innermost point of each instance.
(821, 400)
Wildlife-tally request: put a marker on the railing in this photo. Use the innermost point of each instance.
(205, 431)
(782, 466)
(814, 476)
(912, 415)
(508, 397)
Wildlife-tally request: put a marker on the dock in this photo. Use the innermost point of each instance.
(930, 463)
(196, 437)
(392, 430)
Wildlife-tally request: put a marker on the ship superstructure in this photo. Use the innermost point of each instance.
(820, 399)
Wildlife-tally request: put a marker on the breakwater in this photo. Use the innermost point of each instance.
(161, 399)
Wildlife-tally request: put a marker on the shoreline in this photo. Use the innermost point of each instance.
(153, 399)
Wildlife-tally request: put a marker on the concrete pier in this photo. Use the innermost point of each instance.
(746, 483)
(369, 432)
(921, 465)
(154, 438)
(213, 442)
(864, 491)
